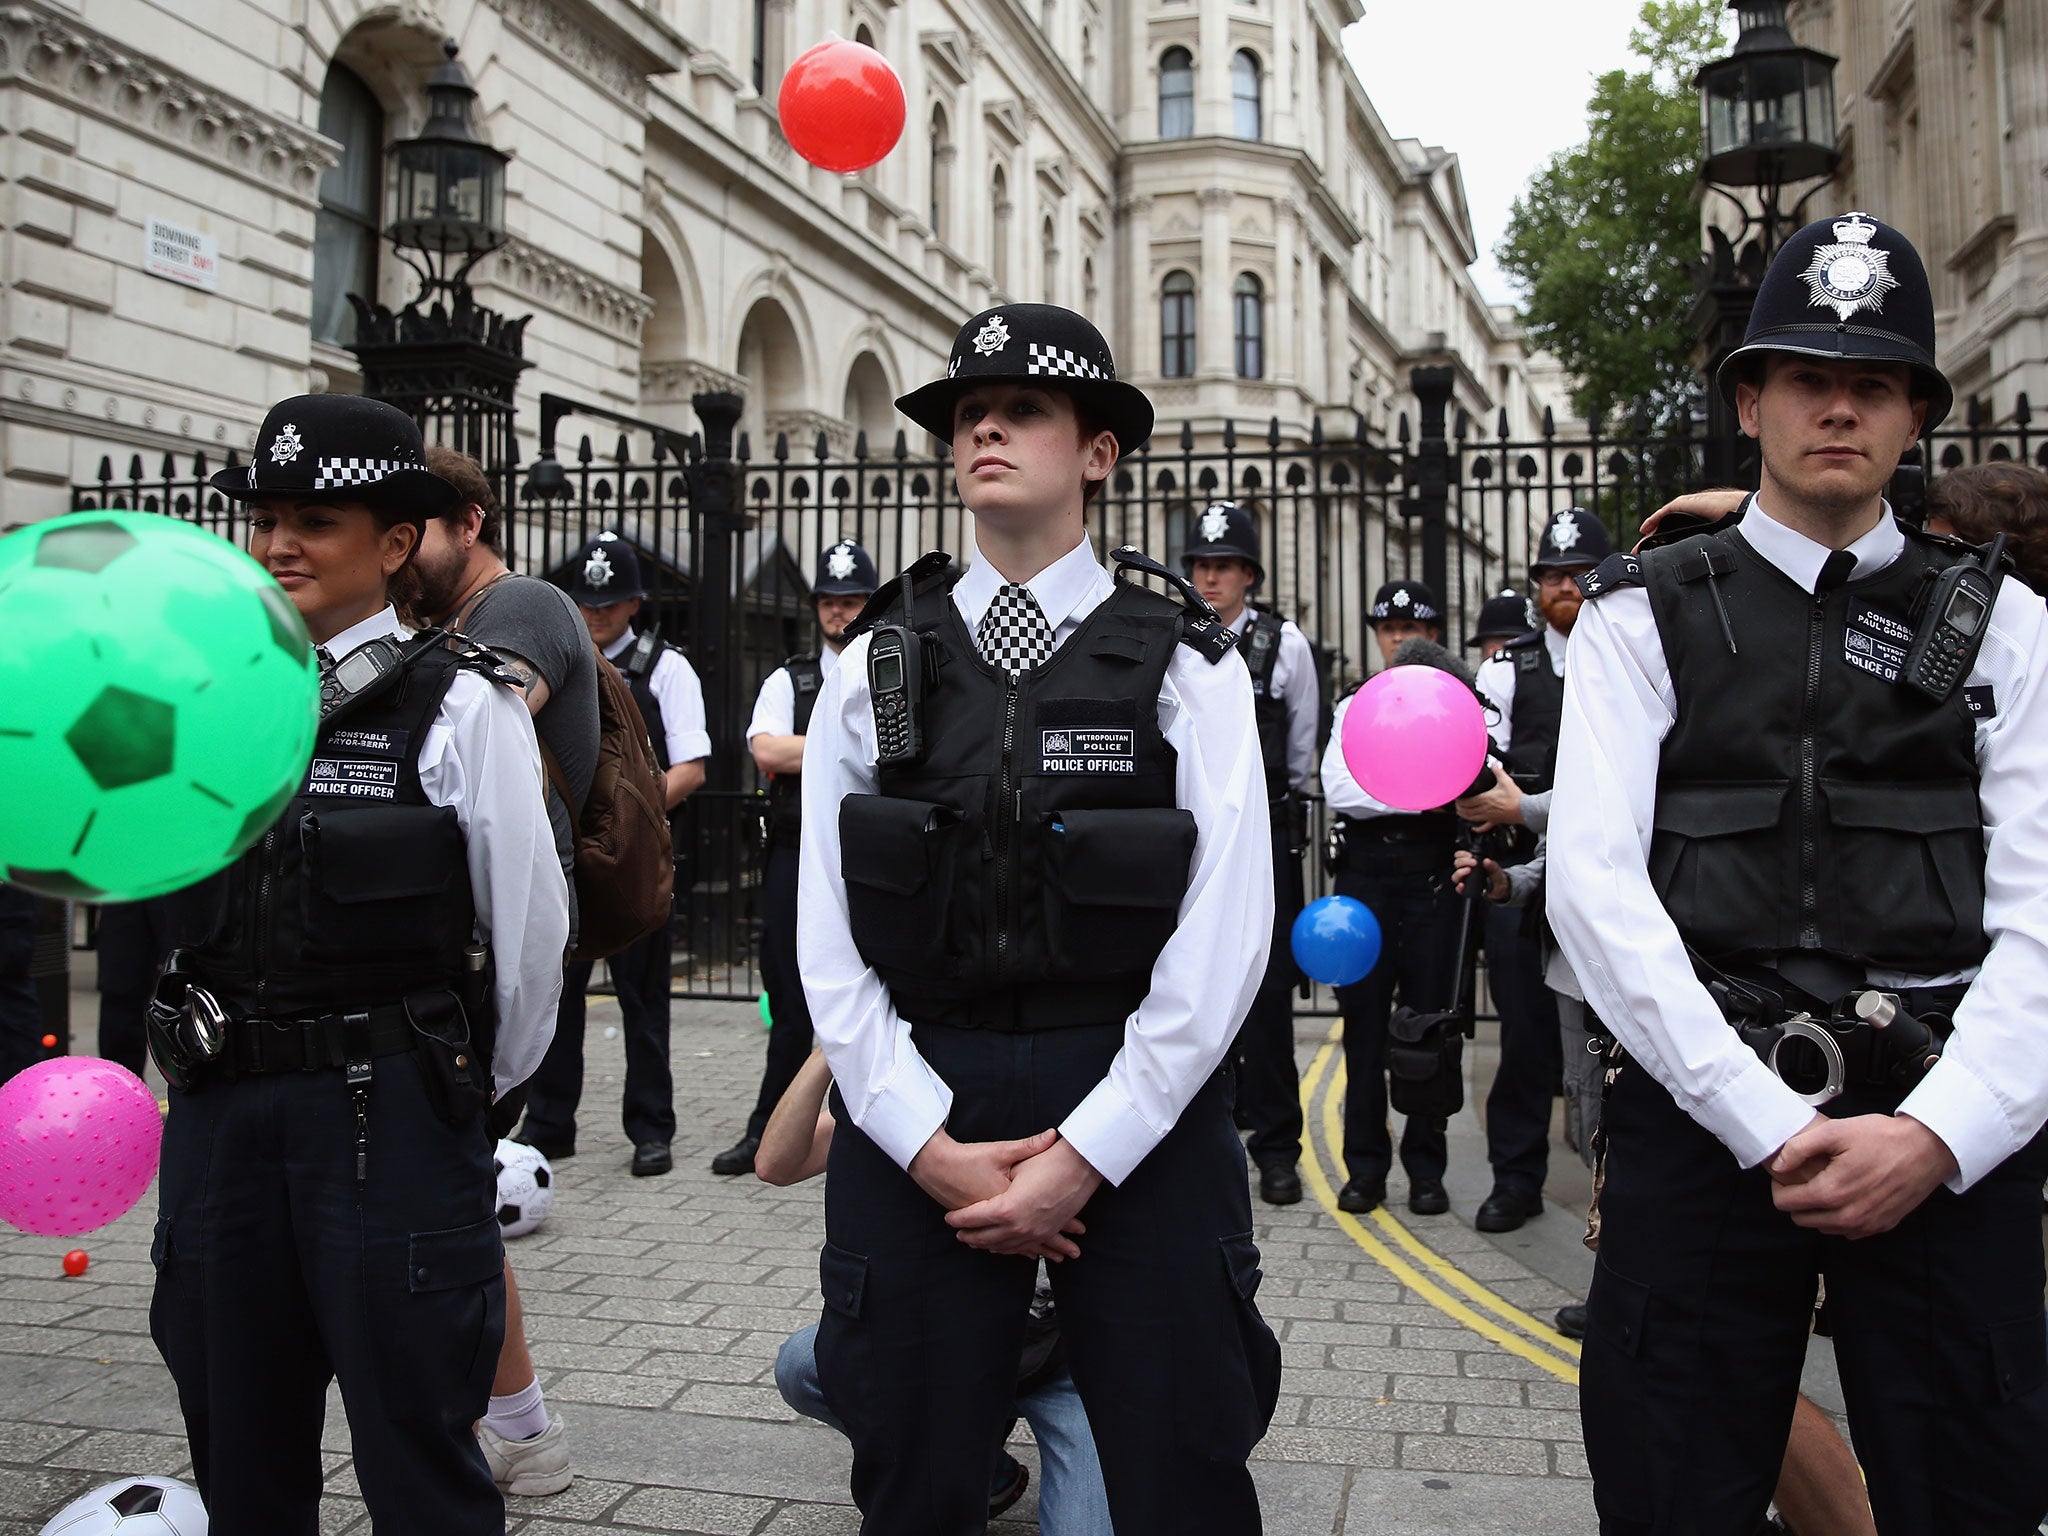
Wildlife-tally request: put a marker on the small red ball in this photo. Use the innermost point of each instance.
(841, 106)
(75, 1262)
(49, 1042)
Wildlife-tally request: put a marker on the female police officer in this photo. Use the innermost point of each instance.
(327, 1191)
(1027, 948)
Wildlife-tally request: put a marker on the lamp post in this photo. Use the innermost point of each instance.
(1767, 123)
(446, 360)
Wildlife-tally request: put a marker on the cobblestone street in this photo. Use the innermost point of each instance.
(1422, 1391)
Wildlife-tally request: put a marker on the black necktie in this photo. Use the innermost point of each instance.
(1839, 566)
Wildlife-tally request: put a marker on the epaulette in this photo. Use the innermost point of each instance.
(1622, 570)
(1521, 642)
(1677, 527)
(927, 572)
(474, 656)
(1200, 630)
(1948, 543)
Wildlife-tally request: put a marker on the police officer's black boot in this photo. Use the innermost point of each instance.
(737, 1158)
(1279, 1184)
(1571, 1320)
(1507, 1208)
(1361, 1195)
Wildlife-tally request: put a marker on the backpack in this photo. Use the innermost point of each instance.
(624, 858)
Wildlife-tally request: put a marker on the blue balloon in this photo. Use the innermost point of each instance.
(1336, 940)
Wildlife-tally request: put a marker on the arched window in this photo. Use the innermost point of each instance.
(863, 35)
(1049, 260)
(1088, 60)
(1088, 289)
(999, 231)
(1177, 326)
(1244, 94)
(351, 205)
(942, 174)
(761, 47)
(1176, 94)
(1248, 321)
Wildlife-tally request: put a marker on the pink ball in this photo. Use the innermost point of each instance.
(1414, 738)
(79, 1139)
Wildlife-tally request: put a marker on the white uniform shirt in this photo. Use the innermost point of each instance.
(481, 759)
(1340, 789)
(775, 704)
(1293, 682)
(1989, 1094)
(675, 687)
(1496, 680)
(1203, 981)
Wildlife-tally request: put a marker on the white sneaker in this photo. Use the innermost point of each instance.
(528, 1467)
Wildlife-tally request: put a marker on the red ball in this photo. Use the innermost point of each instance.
(841, 106)
(75, 1262)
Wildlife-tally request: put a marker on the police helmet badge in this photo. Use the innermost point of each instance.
(597, 570)
(993, 337)
(839, 563)
(1215, 524)
(1564, 531)
(1402, 599)
(1851, 274)
(287, 445)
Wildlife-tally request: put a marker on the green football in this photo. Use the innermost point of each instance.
(158, 702)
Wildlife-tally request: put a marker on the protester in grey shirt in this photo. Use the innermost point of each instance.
(465, 585)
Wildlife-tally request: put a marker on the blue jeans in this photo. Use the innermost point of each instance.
(1071, 1500)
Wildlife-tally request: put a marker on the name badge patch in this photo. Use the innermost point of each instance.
(357, 765)
(1874, 641)
(1981, 701)
(1087, 750)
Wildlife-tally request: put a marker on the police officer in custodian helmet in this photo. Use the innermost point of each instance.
(1796, 856)
(387, 960)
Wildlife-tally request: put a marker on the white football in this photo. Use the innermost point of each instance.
(134, 1506)
(526, 1188)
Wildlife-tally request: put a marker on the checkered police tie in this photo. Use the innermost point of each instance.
(330, 686)
(1013, 633)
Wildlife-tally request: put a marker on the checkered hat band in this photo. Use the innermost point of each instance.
(334, 472)
(1061, 362)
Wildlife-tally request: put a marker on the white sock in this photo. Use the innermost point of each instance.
(520, 1416)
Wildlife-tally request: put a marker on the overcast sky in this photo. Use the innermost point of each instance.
(1501, 83)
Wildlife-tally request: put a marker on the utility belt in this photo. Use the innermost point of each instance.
(1391, 845)
(1823, 1042)
(1033, 1009)
(195, 1040)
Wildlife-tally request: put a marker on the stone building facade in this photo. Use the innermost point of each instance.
(1206, 178)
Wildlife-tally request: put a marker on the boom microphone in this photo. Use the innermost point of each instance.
(1427, 653)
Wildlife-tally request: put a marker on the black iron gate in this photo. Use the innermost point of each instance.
(730, 537)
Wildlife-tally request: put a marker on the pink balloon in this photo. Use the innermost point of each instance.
(1414, 738)
(79, 1139)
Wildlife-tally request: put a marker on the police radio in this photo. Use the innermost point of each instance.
(896, 684)
(1951, 627)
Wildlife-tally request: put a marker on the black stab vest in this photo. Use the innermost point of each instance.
(359, 894)
(1028, 872)
(786, 790)
(1804, 801)
(1537, 715)
(1261, 649)
(637, 662)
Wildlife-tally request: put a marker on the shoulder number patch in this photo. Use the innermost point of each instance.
(1622, 570)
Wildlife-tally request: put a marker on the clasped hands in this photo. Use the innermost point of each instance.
(1012, 1197)
(1858, 1176)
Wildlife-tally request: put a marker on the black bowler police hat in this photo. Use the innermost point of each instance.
(341, 448)
(1849, 290)
(1224, 531)
(845, 570)
(1034, 344)
(1502, 617)
(1573, 540)
(604, 571)
(1405, 599)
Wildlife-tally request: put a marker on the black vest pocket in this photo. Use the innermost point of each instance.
(376, 879)
(1113, 887)
(1718, 862)
(900, 861)
(1907, 864)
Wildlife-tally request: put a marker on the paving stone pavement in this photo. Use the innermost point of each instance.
(655, 1307)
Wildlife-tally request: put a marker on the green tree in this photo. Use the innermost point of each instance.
(1603, 239)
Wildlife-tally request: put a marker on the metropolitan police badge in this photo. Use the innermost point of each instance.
(597, 570)
(993, 337)
(839, 563)
(1564, 532)
(285, 446)
(1852, 274)
(1215, 524)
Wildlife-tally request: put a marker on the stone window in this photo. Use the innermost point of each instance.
(1248, 322)
(999, 231)
(1244, 94)
(351, 205)
(1177, 326)
(942, 174)
(1049, 257)
(1176, 94)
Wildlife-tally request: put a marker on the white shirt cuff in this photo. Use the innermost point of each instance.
(1754, 1114)
(1967, 1116)
(907, 1114)
(1107, 1129)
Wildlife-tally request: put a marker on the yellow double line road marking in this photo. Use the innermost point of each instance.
(1407, 1258)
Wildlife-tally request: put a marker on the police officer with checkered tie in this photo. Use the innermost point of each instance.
(1224, 563)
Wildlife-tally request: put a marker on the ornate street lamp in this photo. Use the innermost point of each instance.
(445, 359)
(1767, 122)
